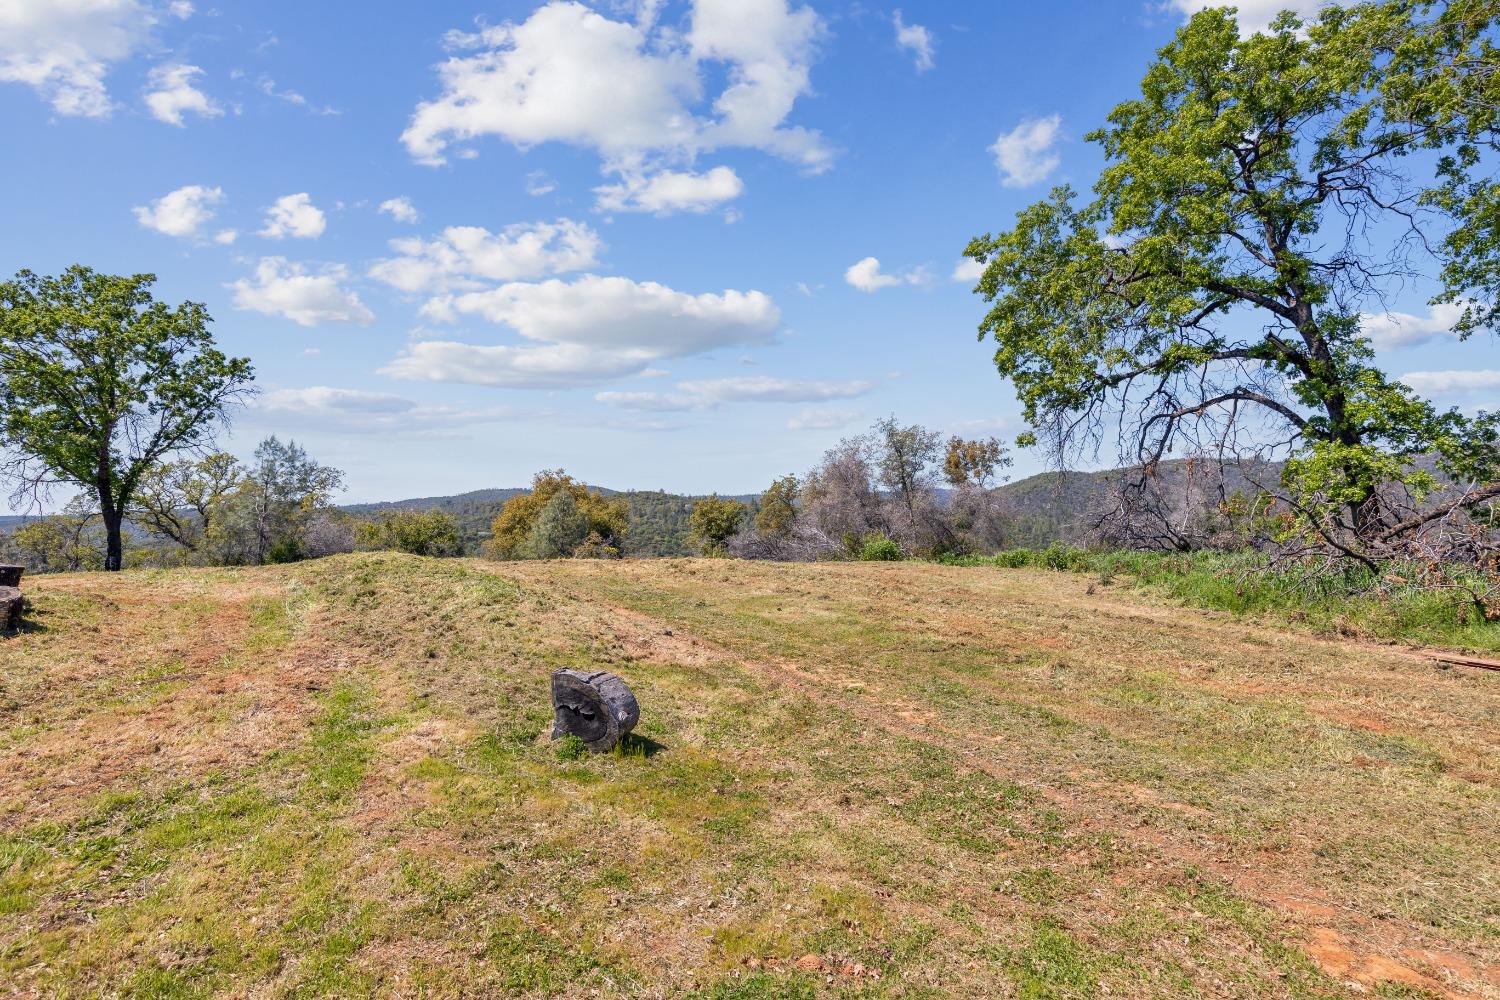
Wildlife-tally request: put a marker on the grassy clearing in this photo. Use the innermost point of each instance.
(1352, 602)
(877, 780)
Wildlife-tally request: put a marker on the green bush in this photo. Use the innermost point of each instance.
(420, 533)
(877, 547)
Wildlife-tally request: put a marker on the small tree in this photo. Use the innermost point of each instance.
(838, 505)
(903, 459)
(282, 489)
(61, 543)
(973, 463)
(99, 383)
(185, 500)
(778, 511)
(713, 521)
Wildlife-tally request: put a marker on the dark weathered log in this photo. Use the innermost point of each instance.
(10, 607)
(10, 576)
(597, 707)
(1445, 661)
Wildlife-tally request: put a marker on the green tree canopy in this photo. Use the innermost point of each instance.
(418, 532)
(778, 508)
(713, 521)
(560, 528)
(1259, 195)
(604, 516)
(903, 457)
(973, 462)
(99, 383)
(281, 490)
(184, 500)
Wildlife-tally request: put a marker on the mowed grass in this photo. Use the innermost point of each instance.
(876, 780)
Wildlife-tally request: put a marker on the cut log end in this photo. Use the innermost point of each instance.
(10, 607)
(595, 706)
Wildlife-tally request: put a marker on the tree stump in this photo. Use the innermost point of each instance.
(10, 576)
(597, 707)
(10, 607)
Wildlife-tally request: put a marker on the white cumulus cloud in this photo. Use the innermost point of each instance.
(401, 209)
(63, 49)
(585, 331)
(171, 94)
(555, 366)
(1389, 331)
(1025, 155)
(460, 256)
(1254, 15)
(294, 215)
(618, 313)
(1451, 383)
(915, 39)
(968, 271)
(630, 90)
(282, 288)
(668, 191)
(180, 212)
(867, 276)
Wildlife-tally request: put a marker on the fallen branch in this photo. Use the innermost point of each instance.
(1464, 661)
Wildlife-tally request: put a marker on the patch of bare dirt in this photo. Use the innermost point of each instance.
(163, 700)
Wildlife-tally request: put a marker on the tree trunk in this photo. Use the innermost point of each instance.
(597, 707)
(115, 544)
(11, 603)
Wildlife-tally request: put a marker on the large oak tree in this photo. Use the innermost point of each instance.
(1259, 196)
(99, 383)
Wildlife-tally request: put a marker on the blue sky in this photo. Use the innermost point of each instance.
(466, 241)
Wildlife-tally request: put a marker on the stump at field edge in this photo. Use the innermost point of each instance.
(595, 706)
(10, 607)
(10, 576)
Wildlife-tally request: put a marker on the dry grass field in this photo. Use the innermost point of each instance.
(865, 780)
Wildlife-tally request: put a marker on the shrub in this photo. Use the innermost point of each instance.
(878, 547)
(420, 533)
